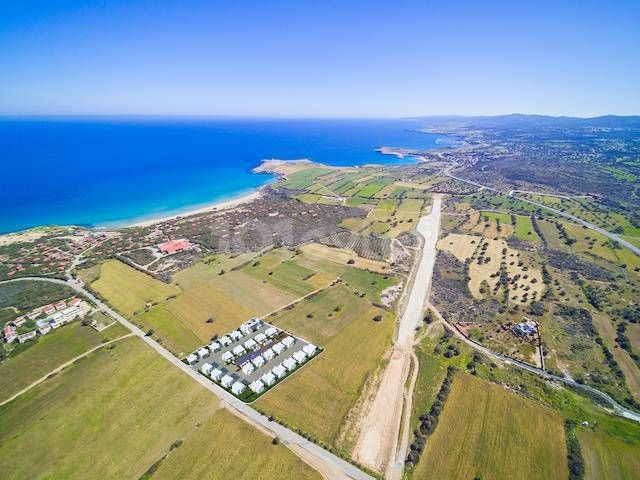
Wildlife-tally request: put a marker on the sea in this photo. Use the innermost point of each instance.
(114, 171)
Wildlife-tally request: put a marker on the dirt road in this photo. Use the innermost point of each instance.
(377, 442)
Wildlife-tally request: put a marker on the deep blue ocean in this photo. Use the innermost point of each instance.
(96, 172)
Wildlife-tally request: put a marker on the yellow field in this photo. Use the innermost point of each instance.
(318, 398)
(487, 431)
(116, 413)
(210, 267)
(464, 246)
(608, 458)
(321, 253)
(129, 290)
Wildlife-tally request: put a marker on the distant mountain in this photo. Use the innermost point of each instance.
(519, 120)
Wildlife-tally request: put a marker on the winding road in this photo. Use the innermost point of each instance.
(316, 456)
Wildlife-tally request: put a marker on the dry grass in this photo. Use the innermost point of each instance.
(321, 253)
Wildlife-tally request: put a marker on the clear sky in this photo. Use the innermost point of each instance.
(319, 58)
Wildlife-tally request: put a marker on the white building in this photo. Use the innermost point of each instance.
(214, 346)
(250, 344)
(236, 335)
(279, 371)
(226, 381)
(216, 374)
(259, 361)
(26, 336)
(250, 326)
(257, 386)
(278, 348)
(227, 357)
(268, 379)
(247, 368)
(288, 341)
(191, 359)
(238, 387)
(290, 364)
(268, 354)
(206, 368)
(203, 352)
(260, 338)
(238, 350)
(310, 349)
(271, 332)
(226, 341)
(44, 329)
(300, 356)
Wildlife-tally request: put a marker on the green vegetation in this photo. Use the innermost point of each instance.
(119, 411)
(608, 457)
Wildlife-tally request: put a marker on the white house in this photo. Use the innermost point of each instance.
(247, 368)
(257, 386)
(214, 346)
(290, 364)
(226, 381)
(206, 368)
(216, 374)
(26, 336)
(238, 387)
(250, 344)
(278, 348)
(227, 357)
(250, 326)
(236, 335)
(226, 341)
(279, 371)
(268, 379)
(300, 356)
(260, 338)
(271, 332)
(203, 352)
(288, 341)
(238, 350)
(259, 361)
(310, 349)
(44, 329)
(191, 359)
(268, 354)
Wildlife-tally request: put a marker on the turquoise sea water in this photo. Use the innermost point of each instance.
(97, 172)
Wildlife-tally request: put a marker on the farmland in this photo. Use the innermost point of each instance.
(483, 428)
(608, 457)
(134, 402)
(319, 397)
(49, 352)
(128, 290)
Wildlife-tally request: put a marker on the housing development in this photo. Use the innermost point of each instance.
(471, 314)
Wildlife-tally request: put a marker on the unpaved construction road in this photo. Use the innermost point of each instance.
(377, 443)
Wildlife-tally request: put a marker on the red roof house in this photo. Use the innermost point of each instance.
(174, 246)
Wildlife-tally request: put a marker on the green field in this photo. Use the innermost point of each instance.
(49, 352)
(607, 457)
(487, 431)
(304, 178)
(129, 290)
(116, 413)
(319, 396)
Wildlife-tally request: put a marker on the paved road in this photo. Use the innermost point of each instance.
(578, 220)
(228, 400)
(617, 408)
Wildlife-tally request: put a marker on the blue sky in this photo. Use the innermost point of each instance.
(311, 58)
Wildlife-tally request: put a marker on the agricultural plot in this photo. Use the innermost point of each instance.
(134, 401)
(608, 457)
(129, 290)
(49, 352)
(492, 260)
(321, 395)
(326, 258)
(208, 268)
(304, 178)
(487, 431)
(370, 189)
(373, 248)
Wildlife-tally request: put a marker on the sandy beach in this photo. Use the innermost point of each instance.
(222, 205)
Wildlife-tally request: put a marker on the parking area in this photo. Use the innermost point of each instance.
(252, 359)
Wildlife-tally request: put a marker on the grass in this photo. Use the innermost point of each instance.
(202, 271)
(608, 457)
(334, 260)
(318, 398)
(169, 330)
(304, 178)
(486, 430)
(49, 352)
(430, 376)
(118, 411)
(370, 189)
(129, 290)
(205, 454)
